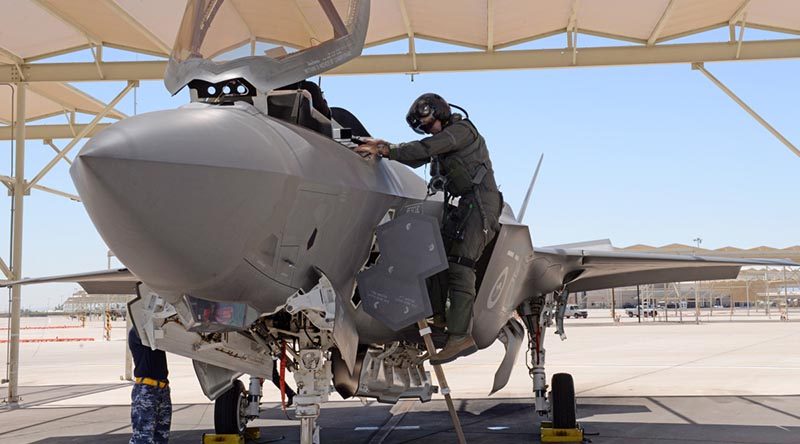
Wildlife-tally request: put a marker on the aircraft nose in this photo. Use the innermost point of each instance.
(178, 195)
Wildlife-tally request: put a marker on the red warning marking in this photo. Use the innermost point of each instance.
(3, 341)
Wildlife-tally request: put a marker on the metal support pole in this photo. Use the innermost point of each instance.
(128, 376)
(128, 358)
(613, 305)
(16, 245)
(785, 293)
(445, 389)
(639, 303)
(697, 302)
(730, 301)
(747, 295)
(700, 67)
(766, 293)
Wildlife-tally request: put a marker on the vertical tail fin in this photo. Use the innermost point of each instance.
(530, 189)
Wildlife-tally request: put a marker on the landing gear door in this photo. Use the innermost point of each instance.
(219, 40)
(503, 286)
(393, 290)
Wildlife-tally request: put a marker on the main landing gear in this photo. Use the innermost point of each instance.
(558, 406)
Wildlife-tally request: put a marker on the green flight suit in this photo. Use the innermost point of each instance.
(470, 226)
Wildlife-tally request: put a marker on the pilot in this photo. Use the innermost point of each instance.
(151, 405)
(460, 167)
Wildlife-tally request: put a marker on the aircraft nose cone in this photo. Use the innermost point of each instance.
(178, 195)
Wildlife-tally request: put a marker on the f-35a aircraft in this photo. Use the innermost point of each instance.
(244, 219)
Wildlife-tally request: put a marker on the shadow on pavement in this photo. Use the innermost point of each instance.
(39, 395)
(615, 420)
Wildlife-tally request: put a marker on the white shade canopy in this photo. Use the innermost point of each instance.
(46, 99)
(35, 29)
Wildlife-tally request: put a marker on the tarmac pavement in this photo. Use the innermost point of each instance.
(721, 382)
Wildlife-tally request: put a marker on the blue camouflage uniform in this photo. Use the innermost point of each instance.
(151, 406)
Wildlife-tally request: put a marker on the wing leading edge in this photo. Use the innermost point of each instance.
(584, 270)
(115, 281)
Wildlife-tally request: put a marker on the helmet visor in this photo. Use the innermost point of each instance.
(420, 118)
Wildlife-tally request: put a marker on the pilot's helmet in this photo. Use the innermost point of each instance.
(426, 105)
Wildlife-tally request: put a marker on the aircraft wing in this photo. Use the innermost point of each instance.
(114, 281)
(584, 270)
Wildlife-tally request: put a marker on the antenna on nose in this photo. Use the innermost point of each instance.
(530, 189)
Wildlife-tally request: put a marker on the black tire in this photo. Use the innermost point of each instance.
(228, 411)
(563, 399)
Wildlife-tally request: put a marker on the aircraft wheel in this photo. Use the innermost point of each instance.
(563, 399)
(229, 411)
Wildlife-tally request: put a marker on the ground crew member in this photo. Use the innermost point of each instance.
(460, 167)
(151, 406)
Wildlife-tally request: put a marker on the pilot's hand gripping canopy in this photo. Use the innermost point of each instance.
(215, 33)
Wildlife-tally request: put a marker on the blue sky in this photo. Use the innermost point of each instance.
(645, 154)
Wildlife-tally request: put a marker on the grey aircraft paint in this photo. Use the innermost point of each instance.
(220, 203)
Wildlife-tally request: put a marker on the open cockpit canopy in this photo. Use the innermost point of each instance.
(319, 35)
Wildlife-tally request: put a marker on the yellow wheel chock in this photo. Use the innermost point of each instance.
(549, 434)
(250, 434)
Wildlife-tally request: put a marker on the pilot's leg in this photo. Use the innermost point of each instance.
(462, 255)
(461, 280)
(437, 290)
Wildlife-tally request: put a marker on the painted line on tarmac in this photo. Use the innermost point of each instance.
(398, 413)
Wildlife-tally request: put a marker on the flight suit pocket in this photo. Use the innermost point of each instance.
(456, 222)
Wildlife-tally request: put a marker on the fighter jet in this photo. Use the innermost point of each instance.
(250, 231)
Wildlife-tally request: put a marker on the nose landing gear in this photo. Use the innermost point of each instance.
(559, 404)
(232, 411)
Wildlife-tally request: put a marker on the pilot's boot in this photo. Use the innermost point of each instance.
(437, 321)
(461, 282)
(456, 347)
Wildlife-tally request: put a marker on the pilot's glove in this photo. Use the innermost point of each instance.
(373, 147)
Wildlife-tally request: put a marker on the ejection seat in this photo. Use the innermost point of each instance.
(295, 104)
